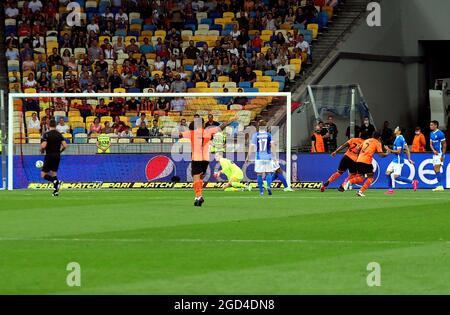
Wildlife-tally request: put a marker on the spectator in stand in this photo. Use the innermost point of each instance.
(101, 109)
(154, 130)
(143, 81)
(177, 104)
(28, 64)
(11, 10)
(419, 143)
(44, 127)
(367, 127)
(119, 46)
(191, 52)
(33, 122)
(143, 131)
(90, 88)
(248, 75)
(94, 50)
(257, 42)
(126, 132)
(62, 127)
(211, 122)
(107, 129)
(235, 75)
(142, 119)
(115, 108)
(30, 82)
(132, 104)
(387, 134)
(132, 48)
(115, 81)
(129, 80)
(162, 87)
(183, 126)
(85, 109)
(178, 85)
(95, 127)
(146, 47)
(12, 53)
(54, 58)
(93, 27)
(304, 47)
(35, 5)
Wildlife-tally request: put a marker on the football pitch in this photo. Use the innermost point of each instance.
(157, 242)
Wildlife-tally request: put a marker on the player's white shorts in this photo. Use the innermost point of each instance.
(264, 166)
(395, 168)
(275, 165)
(437, 160)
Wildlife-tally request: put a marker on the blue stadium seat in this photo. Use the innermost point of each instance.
(149, 27)
(190, 27)
(299, 27)
(270, 73)
(245, 84)
(206, 21)
(188, 67)
(251, 90)
(133, 121)
(78, 130)
(215, 15)
(216, 27)
(134, 90)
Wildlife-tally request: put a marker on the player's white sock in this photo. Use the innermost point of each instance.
(393, 180)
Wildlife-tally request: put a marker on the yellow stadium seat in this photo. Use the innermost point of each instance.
(223, 79)
(201, 85)
(258, 73)
(314, 28)
(104, 119)
(160, 33)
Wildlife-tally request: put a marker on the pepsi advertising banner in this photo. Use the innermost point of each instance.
(146, 171)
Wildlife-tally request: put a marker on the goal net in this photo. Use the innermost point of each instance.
(133, 140)
(345, 103)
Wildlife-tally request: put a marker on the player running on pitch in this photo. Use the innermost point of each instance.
(261, 144)
(364, 162)
(394, 170)
(200, 138)
(233, 173)
(439, 146)
(348, 162)
(53, 144)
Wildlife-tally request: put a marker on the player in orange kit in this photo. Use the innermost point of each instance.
(364, 166)
(348, 162)
(200, 138)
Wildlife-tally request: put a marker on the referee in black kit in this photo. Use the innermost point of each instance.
(53, 143)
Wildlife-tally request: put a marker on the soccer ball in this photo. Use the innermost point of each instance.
(39, 164)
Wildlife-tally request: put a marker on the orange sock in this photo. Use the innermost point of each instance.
(198, 186)
(349, 178)
(367, 184)
(357, 179)
(334, 177)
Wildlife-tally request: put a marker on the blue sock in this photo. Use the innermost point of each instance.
(260, 184)
(439, 178)
(283, 180)
(404, 180)
(389, 180)
(269, 179)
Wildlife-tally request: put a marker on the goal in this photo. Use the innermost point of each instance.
(156, 158)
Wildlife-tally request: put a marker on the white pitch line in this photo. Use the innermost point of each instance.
(193, 240)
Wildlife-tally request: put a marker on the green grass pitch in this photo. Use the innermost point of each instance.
(157, 242)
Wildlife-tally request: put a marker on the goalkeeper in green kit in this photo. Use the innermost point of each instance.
(233, 173)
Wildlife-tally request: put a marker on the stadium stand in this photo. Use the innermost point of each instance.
(154, 46)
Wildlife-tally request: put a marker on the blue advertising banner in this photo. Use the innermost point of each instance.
(144, 168)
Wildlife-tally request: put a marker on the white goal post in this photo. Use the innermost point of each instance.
(14, 96)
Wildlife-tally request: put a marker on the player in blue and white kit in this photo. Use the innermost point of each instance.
(439, 147)
(394, 170)
(261, 144)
